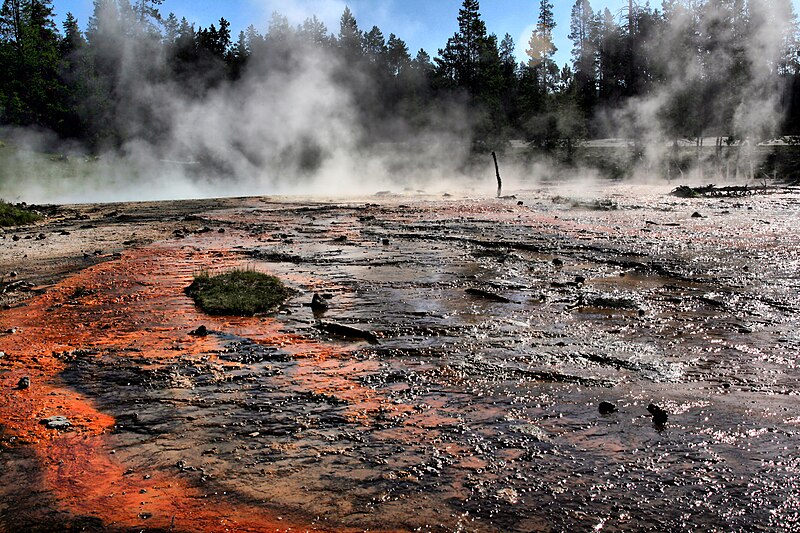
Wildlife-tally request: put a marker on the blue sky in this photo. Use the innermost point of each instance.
(421, 23)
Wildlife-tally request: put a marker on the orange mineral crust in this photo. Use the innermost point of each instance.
(134, 304)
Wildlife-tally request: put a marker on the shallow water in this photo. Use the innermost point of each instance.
(471, 414)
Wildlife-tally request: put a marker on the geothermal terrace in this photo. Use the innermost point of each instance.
(501, 326)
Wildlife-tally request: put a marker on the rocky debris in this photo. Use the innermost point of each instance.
(606, 408)
(711, 190)
(348, 332)
(56, 422)
(18, 286)
(201, 331)
(660, 416)
(488, 295)
(24, 383)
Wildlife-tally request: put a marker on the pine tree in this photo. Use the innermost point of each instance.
(459, 61)
(349, 37)
(584, 54)
(31, 92)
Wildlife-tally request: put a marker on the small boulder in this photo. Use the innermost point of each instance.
(24, 383)
(660, 416)
(697, 215)
(318, 303)
(606, 408)
(558, 262)
(201, 331)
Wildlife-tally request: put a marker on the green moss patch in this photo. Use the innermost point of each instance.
(238, 293)
(12, 215)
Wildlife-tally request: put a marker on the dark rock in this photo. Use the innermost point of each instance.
(12, 274)
(558, 262)
(348, 332)
(15, 238)
(660, 416)
(221, 230)
(697, 215)
(24, 383)
(201, 331)
(520, 203)
(41, 237)
(318, 303)
(580, 279)
(488, 295)
(385, 242)
(606, 408)
(56, 422)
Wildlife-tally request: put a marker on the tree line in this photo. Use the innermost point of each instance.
(697, 55)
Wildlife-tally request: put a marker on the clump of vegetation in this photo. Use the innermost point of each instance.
(238, 293)
(14, 215)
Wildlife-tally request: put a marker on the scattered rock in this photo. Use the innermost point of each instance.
(660, 416)
(24, 383)
(56, 422)
(606, 408)
(201, 331)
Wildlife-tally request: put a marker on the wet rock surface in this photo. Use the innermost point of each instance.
(500, 332)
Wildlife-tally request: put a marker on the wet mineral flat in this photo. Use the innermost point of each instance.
(501, 327)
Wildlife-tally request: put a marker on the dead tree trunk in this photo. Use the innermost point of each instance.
(497, 171)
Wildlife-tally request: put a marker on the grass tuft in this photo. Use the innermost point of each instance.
(238, 293)
(12, 215)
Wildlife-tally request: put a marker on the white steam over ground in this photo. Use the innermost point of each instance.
(298, 129)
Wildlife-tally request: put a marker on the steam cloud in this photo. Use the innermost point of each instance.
(299, 129)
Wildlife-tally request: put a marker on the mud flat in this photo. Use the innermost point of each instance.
(623, 360)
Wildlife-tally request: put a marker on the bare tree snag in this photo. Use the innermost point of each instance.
(497, 171)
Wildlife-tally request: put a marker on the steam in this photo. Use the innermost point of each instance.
(299, 129)
(738, 72)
